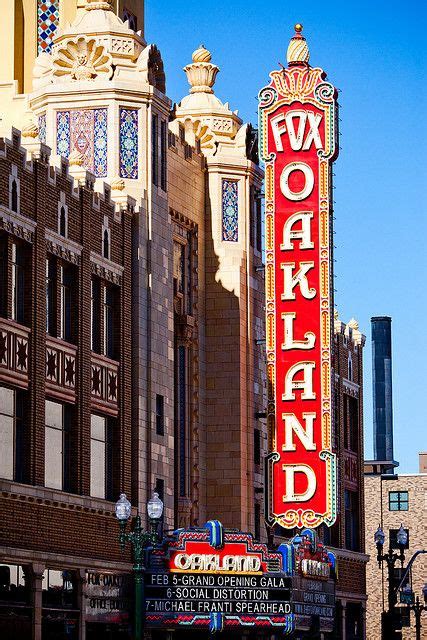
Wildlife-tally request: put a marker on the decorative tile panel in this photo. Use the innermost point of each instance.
(128, 143)
(63, 133)
(86, 131)
(60, 368)
(104, 384)
(230, 210)
(47, 22)
(14, 352)
(42, 128)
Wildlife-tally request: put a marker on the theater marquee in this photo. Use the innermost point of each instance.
(298, 142)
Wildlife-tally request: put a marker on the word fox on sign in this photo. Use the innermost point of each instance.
(297, 114)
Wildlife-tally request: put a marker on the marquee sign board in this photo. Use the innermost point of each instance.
(298, 142)
(217, 580)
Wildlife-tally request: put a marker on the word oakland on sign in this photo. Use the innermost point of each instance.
(298, 142)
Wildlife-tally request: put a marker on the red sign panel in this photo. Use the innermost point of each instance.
(298, 143)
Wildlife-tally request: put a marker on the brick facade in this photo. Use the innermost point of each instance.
(38, 524)
(377, 512)
(346, 537)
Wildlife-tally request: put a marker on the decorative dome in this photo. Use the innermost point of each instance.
(298, 52)
(353, 324)
(201, 73)
(202, 54)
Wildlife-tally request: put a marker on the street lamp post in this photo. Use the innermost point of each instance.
(390, 559)
(415, 606)
(139, 540)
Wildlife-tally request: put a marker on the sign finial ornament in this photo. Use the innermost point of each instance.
(298, 52)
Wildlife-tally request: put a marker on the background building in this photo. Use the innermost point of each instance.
(391, 499)
(347, 535)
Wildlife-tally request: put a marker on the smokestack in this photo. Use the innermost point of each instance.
(382, 389)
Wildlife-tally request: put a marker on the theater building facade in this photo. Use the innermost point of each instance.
(132, 339)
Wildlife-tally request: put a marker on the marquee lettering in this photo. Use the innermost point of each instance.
(305, 385)
(291, 280)
(305, 434)
(309, 341)
(304, 234)
(308, 181)
(290, 471)
(294, 124)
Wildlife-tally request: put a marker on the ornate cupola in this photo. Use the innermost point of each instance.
(88, 92)
(202, 109)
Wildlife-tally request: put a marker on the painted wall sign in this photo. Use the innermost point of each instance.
(215, 579)
(298, 142)
(108, 596)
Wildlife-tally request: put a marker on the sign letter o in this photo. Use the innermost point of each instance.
(309, 181)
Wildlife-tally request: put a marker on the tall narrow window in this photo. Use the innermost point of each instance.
(351, 520)
(20, 437)
(182, 419)
(14, 196)
(106, 244)
(160, 415)
(12, 434)
(51, 296)
(101, 457)
(18, 283)
(62, 222)
(345, 417)
(257, 446)
(97, 456)
(160, 488)
(155, 148)
(109, 321)
(96, 315)
(350, 367)
(3, 276)
(67, 307)
(7, 415)
(258, 215)
(57, 446)
(353, 411)
(252, 227)
(163, 154)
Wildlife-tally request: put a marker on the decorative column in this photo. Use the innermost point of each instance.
(343, 620)
(36, 575)
(81, 601)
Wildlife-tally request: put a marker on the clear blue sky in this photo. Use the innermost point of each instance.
(374, 52)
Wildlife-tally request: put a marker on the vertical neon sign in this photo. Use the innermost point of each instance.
(298, 142)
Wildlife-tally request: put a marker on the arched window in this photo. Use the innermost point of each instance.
(106, 244)
(14, 196)
(350, 368)
(62, 222)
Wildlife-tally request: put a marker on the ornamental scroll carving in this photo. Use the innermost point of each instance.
(82, 59)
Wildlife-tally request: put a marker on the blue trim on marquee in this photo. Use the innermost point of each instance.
(216, 533)
(216, 622)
